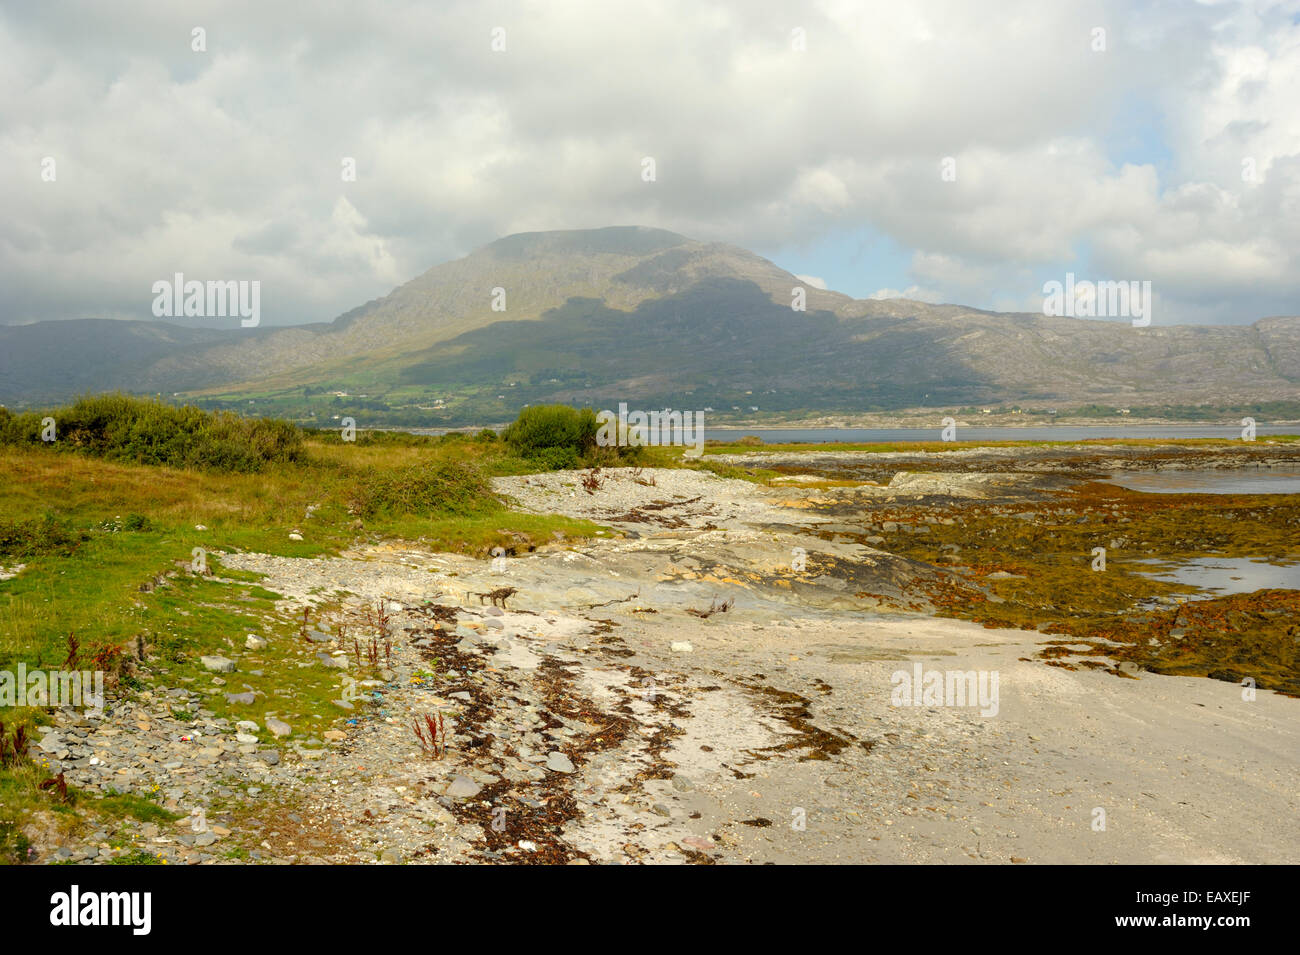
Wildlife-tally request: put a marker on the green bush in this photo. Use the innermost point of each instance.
(556, 435)
(435, 488)
(122, 428)
(38, 537)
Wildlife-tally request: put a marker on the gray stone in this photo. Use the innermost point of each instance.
(558, 762)
(246, 699)
(462, 787)
(278, 727)
(218, 664)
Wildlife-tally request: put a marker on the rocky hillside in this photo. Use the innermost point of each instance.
(637, 314)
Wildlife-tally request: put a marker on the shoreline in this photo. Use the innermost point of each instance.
(683, 693)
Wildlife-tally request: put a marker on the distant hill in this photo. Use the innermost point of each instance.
(650, 317)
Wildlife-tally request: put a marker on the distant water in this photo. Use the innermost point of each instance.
(1215, 481)
(974, 434)
(1229, 575)
(970, 435)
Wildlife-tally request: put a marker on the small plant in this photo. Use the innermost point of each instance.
(432, 734)
(59, 785)
(714, 607)
(13, 752)
(70, 663)
(640, 477)
(376, 617)
(499, 596)
(592, 481)
(110, 659)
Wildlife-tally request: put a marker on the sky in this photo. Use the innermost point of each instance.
(943, 150)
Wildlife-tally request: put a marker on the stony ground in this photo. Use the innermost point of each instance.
(698, 690)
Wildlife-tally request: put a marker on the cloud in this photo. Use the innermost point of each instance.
(812, 280)
(1129, 162)
(913, 292)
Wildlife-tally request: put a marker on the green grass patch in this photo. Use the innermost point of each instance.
(130, 806)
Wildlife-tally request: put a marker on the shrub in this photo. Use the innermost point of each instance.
(554, 434)
(143, 431)
(38, 537)
(439, 488)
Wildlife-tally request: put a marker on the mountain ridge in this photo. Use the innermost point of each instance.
(649, 314)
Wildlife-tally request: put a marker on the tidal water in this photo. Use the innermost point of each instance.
(1215, 481)
(974, 434)
(1220, 576)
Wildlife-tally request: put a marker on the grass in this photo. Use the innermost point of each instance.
(108, 545)
(129, 806)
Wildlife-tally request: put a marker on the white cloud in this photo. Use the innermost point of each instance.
(913, 292)
(226, 163)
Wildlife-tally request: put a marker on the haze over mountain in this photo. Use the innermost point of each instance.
(649, 316)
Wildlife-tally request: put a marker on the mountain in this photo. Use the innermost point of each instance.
(649, 317)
